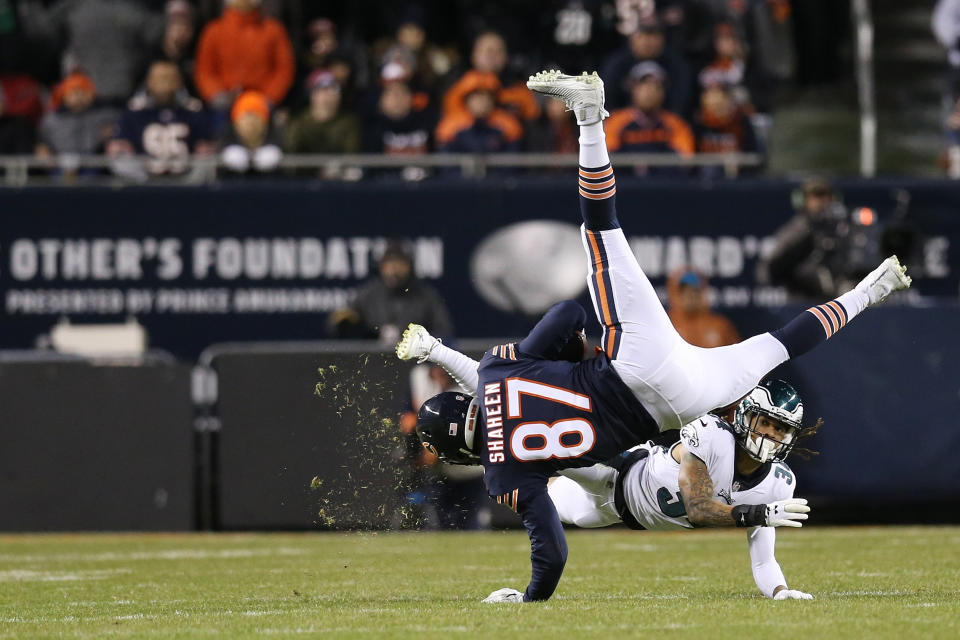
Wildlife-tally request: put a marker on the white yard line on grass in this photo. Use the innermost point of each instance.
(172, 554)
(23, 575)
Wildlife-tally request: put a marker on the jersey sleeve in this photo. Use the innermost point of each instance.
(766, 570)
(548, 544)
(462, 368)
(763, 562)
(709, 442)
(554, 329)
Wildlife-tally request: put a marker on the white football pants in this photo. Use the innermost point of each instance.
(674, 380)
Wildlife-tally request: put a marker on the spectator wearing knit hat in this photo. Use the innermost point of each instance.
(322, 48)
(250, 146)
(323, 127)
(645, 126)
(489, 57)
(399, 127)
(76, 125)
(243, 50)
(427, 62)
(390, 300)
(478, 125)
(648, 44)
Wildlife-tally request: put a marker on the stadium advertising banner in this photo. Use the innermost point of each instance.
(197, 266)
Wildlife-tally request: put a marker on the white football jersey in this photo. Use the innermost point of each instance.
(771, 482)
(652, 490)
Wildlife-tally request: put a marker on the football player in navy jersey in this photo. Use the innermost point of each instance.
(535, 413)
(164, 122)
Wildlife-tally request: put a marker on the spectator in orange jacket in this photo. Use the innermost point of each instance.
(646, 127)
(689, 311)
(490, 56)
(478, 125)
(242, 50)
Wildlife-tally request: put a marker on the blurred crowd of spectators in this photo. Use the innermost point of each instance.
(946, 29)
(254, 79)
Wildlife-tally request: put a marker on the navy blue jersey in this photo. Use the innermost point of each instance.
(167, 134)
(541, 415)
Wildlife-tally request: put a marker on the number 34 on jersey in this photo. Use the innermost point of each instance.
(535, 440)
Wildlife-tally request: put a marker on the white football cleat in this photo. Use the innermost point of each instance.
(890, 276)
(416, 343)
(582, 94)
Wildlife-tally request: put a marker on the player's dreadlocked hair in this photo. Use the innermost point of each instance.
(806, 434)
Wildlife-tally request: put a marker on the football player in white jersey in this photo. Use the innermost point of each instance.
(701, 480)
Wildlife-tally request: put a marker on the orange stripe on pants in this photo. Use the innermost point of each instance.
(602, 291)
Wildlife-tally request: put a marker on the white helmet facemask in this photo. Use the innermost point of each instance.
(764, 447)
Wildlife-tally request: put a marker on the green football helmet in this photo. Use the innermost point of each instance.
(775, 399)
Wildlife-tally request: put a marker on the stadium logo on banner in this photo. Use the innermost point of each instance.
(530, 266)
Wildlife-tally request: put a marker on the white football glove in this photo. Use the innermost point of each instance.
(505, 595)
(792, 594)
(786, 513)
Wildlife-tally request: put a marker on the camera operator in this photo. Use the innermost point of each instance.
(824, 248)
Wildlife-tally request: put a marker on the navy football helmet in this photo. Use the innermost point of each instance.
(446, 424)
(775, 399)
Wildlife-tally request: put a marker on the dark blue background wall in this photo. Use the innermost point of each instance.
(888, 387)
(163, 228)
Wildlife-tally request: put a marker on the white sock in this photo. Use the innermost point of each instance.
(461, 368)
(593, 146)
(853, 302)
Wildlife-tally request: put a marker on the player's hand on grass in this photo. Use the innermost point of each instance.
(787, 513)
(792, 594)
(505, 595)
(782, 513)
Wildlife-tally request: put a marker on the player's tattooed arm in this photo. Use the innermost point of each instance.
(696, 488)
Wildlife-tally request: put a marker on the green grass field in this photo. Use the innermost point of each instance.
(892, 582)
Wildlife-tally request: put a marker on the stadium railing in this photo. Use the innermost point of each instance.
(28, 170)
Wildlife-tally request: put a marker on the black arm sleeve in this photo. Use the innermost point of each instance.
(548, 544)
(554, 329)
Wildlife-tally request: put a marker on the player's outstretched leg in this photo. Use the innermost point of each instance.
(822, 321)
(728, 373)
(637, 334)
(584, 96)
(585, 497)
(417, 343)
(675, 381)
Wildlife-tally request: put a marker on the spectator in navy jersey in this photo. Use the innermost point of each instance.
(164, 122)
